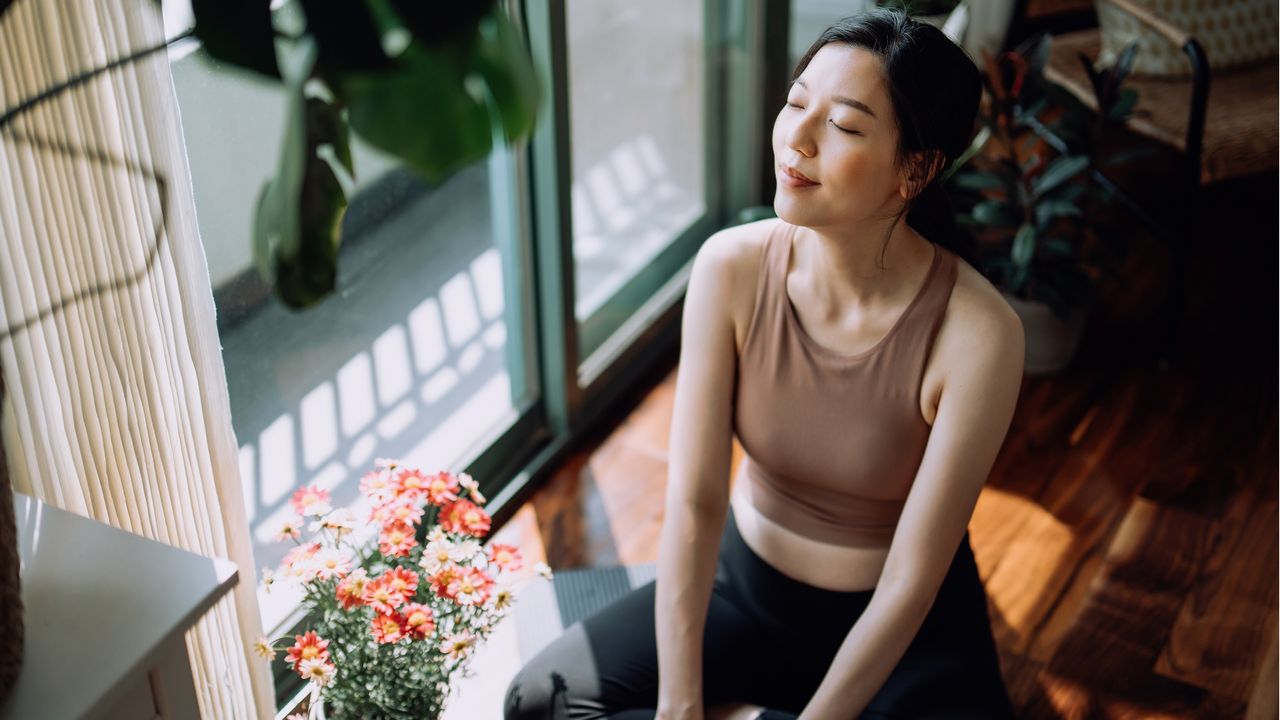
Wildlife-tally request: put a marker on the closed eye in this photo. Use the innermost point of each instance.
(833, 122)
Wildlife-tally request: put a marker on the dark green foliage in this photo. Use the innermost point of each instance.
(1029, 213)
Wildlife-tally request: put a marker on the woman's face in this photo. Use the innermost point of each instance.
(838, 130)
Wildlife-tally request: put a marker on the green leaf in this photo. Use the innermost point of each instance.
(1124, 104)
(1016, 279)
(503, 62)
(978, 142)
(978, 180)
(1024, 245)
(238, 32)
(1127, 155)
(995, 213)
(1047, 210)
(1033, 159)
(421, 111)
(1058, 246)
(1059, 171)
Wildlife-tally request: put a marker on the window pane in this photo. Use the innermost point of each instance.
(408, 359)
(636, 94)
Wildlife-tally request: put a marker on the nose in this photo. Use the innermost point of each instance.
(797, 130)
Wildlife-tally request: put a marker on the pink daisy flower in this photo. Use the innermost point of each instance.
(470, 587)
(299, 554)
(350, 591)
(441, 488)
(464, 516)
(419, 621)
(402, 580)
(404, 510)
(387, 628)
(410, 483)
(307, 647)
(506, 557)
(379, 596)
(444, 578)
(311, 500)
(396, 539)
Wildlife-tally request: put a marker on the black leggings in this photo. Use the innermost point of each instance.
(769, 641)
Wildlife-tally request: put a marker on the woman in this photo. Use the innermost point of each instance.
(871, 376)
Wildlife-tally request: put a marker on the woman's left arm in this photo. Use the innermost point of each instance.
(980, 393)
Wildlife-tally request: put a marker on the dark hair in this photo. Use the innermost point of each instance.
(935, 89)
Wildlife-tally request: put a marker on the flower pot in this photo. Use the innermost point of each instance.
(1051, 343)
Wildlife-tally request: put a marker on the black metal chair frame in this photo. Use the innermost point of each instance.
(1177, 238)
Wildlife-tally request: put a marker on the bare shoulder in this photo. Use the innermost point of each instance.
(979, 324)
(733, 255)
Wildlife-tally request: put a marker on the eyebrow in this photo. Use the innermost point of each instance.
(855, 104)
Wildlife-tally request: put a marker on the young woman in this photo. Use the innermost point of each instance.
(871, 375)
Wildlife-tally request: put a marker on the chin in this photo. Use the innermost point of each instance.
(787, 211)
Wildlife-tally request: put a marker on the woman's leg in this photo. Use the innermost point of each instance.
(607, 665)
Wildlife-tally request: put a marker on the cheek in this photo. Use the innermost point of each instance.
(779, 131)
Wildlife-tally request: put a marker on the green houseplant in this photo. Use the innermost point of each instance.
(433, 84)
(1023, 191)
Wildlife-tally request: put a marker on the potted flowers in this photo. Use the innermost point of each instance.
(1022, 189)
(397, 604)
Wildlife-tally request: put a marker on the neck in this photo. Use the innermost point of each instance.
(844, 266)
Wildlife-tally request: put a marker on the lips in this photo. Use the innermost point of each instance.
(794, 177)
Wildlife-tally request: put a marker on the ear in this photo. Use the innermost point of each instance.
(921, 167)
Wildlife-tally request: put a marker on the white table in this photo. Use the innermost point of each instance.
(105, 612)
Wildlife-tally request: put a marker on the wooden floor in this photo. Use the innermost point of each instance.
(1127, 536)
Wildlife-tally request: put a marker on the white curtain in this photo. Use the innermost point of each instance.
(116, 402)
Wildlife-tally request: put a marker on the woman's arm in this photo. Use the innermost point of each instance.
(980, 393)
(698, 477)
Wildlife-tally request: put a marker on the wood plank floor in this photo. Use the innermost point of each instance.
(1127, 536)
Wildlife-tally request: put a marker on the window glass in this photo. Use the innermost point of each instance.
(407, 359)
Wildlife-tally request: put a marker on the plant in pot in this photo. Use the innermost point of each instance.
(1023, 190)
(435, 85)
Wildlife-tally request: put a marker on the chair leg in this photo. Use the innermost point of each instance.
(1179, 260)
(1174, 303)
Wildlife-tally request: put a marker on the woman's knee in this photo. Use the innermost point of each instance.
(560, 681)
(531, 695)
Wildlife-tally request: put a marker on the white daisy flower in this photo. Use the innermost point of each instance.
(439, 553)
(471, 486)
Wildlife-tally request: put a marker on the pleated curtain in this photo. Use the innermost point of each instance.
(117, 404)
